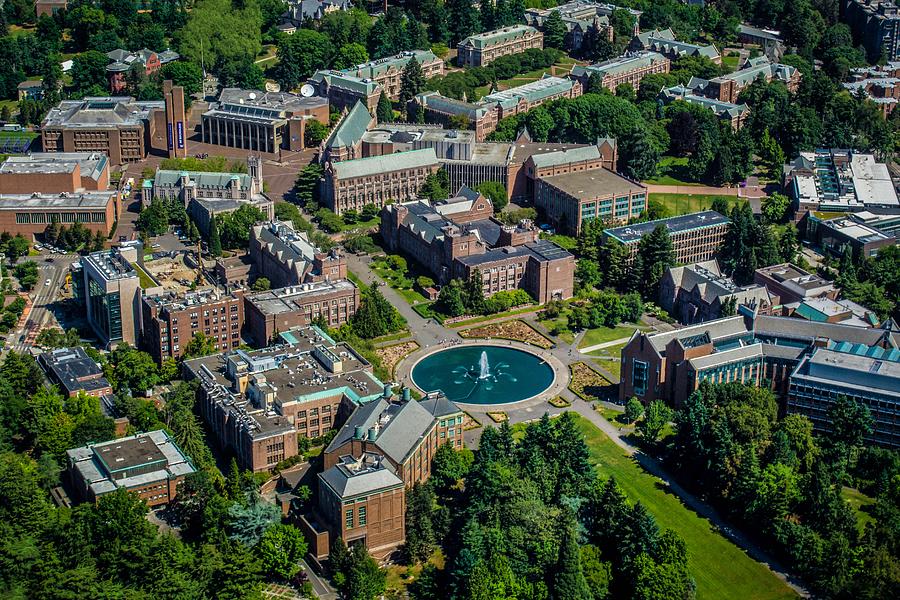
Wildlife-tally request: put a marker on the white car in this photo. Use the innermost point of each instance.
(47, 282)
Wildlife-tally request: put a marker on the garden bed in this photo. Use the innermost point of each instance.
(498, 417)
(515, 330)
(560, 402)
(588, 384)
(391, 355)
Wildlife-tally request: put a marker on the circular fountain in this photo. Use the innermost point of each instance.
(483, 374)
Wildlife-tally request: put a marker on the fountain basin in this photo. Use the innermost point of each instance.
(483, 374)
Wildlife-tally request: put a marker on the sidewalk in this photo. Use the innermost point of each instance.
(604, 345)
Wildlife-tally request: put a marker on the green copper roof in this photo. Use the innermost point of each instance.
(351, 129)
(498, 36)
(375, 165)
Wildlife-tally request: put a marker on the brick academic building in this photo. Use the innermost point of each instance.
(119, 126)
(482, 49)
(696, 237)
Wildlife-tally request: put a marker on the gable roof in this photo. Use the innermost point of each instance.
(372, 165)
(352, 127)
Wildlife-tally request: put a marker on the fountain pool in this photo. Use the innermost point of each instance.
(483, 374)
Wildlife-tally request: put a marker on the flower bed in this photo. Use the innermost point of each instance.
(391, 355)
(516, 330)
(560, 402)
(587, 383)
(498, 417)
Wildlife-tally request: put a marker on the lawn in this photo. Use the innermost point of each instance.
(145, 280)
(602, 335)
(562, 66)
(613, 366)
(861, 505)
(672, 170)
(401, 281)
(721, 569)
(731, 62)
(682, 204)
(373, 222)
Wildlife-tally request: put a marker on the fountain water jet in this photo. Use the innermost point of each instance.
(484, 367)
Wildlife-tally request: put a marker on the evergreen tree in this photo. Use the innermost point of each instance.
(488, 16)
(385, 112)
(462, 20)
(473, 294)
(450, 300)
(554, 31)
(655, 254)
(613, 257)
(215, 243)
(411, 81)
(568, 579)
(420, 535)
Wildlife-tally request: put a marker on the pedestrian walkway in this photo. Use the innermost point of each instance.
(604, 345)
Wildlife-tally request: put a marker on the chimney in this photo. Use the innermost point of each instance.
(406, 394)
(372, 434)
(387, 391)
(358, 432)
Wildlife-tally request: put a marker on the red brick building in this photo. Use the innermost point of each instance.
(148, 464)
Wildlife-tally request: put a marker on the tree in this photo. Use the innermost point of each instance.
(221, 32)
(775, 207)
(314, 133)
(215, 242)
(496, 193)
(450, 299)
(89, 70)
(186, 74)
(634, 409)
(436, 186)
(568, 579)
(655, 254)
(376, 316)
(554, 31)
(261, 284)
(350, 55)
(771, 154)
(420, 534)
(385, 111)
(411, 81)
(365, 580)
(307, 185)
(655, 419)
(299, 56)
(462, 20)
(280, 548)
(200, 345)
(638, 156)
(329, 221)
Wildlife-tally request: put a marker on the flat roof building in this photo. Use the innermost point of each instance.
(54, 173)
(571, 199)
(260, 121)
(696, 237)
(74, 371)
(110, 289)
(119, 126)
(834, 235)
(872, 379)
(257, 403)
(792, 284)
(285, 308)
(148, 464)
(29, 214)
(170, 321)
(482, 49)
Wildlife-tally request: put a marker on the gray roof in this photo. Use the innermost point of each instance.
(440, 406)
(808, 331)
(91, 164)
(399, 427)
(622, 64)
(717, 329)
(101, 112)
(708, 279)
(698, 220)
(289, 247)
(567, 156)
(497, 36)
(377, 165)
(74, 369)
(541, 250)
(85, 200)
(719, 107)
(727, 356)
(592, 184)
(260, 106)
(351, 478)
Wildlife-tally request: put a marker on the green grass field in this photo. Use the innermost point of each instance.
(682, 204)
(145, 279)
(861, 505)
(722, 570)
(601, 335)
(672, 170)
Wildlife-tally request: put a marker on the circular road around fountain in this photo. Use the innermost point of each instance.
(484, 374)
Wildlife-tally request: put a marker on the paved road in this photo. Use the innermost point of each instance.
(42, 296)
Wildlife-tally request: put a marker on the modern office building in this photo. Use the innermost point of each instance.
(696, 237)
(871, 376)
(697, 293)
(664, 42)
(258, 403)
(260, 121)
(876, 24)
(378, 180)
(482, 116)
(109, 287)
(364, 83)
(792, 284)
(482, 49)
(170, 321)
(728, 87)
(206, 195)
(453, 238)
(287, 258)
(274, 311)
(749, 348)
(54, 173)
(838, 180)
(835, 235)
(149, 464)
(572, 198)
(74, 371)
(384, 448)
(628, 69)
(119, 126)
(735, 114)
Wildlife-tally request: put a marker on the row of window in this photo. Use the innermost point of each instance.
(39, 218)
